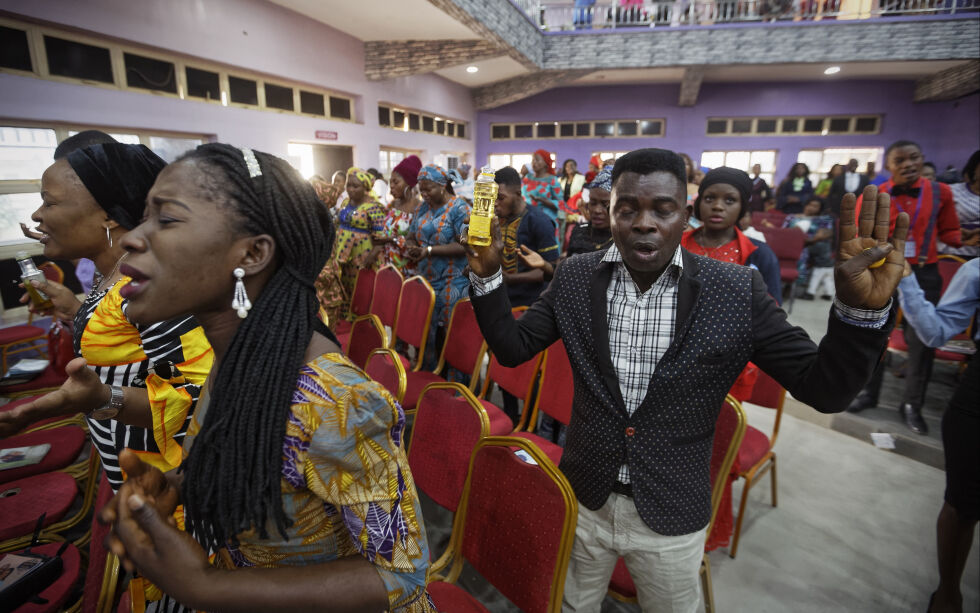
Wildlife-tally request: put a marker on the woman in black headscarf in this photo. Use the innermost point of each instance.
(137, 385)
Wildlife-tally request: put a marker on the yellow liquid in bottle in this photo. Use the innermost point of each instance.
(39, 299)
(481, 217)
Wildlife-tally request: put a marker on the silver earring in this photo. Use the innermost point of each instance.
(240, 303)
(108, 236)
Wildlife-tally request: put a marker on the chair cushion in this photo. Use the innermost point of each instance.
(414, 383)
(451, 597)
(66, 443)
(550, 449)
(50, 378)
(24, 500)
(58, 592)
(754, 446)
(16, 334)
(622, 582)
(500, 423)
(341, 327)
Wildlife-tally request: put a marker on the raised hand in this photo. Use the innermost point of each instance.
(858, 284)
(28, 233)
(484, 261)
(152, 486)
(81, 393)
(531, 258)
(64, 300)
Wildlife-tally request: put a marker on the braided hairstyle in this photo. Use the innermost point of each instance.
(233, 470)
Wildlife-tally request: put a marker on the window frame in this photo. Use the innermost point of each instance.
(768, 174)
(573, 123)
(800, 122)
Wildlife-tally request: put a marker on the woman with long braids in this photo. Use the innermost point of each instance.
(294, 469)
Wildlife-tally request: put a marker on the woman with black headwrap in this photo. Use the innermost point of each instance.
(137, 385)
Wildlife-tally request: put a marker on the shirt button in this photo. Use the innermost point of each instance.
(630, 431)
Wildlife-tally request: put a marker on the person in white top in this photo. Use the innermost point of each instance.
(380, 188)
(464, 189)
(966, 196)
(850, 182)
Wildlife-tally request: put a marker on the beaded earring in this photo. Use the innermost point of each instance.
(240, 302)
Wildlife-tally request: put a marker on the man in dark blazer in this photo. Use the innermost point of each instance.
(848, 182)
(656, 336)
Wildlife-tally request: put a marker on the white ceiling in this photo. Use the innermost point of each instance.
(382, 19)
(490, 70)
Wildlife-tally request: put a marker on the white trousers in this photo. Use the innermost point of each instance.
(821, 277)
(664, 568)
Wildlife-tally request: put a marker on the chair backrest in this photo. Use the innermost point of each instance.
(517, 523)
(464, 347)
(517, 381)
(387, 290)
(384, 366)
(786, 243)
(557, 390)
(948, 265)
(52, 272)
(366, 335)
(103, 568)
(729, 431)
(768, 393)
(449, 422)
(360, 303)
(415, 305)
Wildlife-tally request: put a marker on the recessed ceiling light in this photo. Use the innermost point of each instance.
(832, 70)
(471, 69)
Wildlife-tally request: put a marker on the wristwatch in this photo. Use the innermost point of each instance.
(428, 251)
(111, 408)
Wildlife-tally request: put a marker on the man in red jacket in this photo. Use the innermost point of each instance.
(932, 215)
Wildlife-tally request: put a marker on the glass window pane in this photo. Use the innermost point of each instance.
(413, 121)
(840, 124)
(651, 128)
(203, 84)
(172, 148)
(67, 58)
(300, 155)
(428, 124)
(384, 116)
(243, 91)
(523, 130)
(813, 124)
(717, 126)
(520, 159)
(398, 119)
(583, 129)
(129, 139)
(765, 126)
(811, 157)
(741, 126)
(737, 159)
(450, 129)
(340, 108)
(150, 73)
(14, 49)
(498, 161)
(605, 128)
(567, 130)
(278, 97)
(461, 130)
(790, 126)
(440, 127)
(712, 159)
(765, 159)
(500, 131)
(14, 210)
(25, 153)
(383, 162)
(628, 128)
(311, 103)
(547, 130)
(866, 124)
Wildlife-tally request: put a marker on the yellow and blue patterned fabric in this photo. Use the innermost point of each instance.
(346, 484)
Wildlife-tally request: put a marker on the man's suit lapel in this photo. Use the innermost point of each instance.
(600, 328)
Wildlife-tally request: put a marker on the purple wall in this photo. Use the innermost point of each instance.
(948, 131)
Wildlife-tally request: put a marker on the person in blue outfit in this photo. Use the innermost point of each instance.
(935, 325)
(434, 250)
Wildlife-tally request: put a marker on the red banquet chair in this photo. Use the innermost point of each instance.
(366, 335)
(387, 290)
(416, 301)
(463, 350)
(24, 500)
(517, 381)
(385, 366)
(449, 422)
(66, 444)
(729, 431)
(515, 526)
(755, 455)
(787, 244)
(44, 424)
(360, 302)
(555, 394)
(28, 337)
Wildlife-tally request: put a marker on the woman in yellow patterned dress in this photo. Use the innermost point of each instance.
(295, 470)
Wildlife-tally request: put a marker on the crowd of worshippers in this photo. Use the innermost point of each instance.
(255, 466)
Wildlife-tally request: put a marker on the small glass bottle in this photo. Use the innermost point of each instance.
(484, 199)
(28, 273)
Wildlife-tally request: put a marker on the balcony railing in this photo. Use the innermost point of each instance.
(611, 14)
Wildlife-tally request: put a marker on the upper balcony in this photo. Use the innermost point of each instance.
(606, 15)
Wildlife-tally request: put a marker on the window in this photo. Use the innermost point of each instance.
(566, 130)
(414, 122)
(583, 129)
(651, 127)
(278, 97)
(170, 148)
(243, 91)
(203, 83)
(791, 126)
(605, 128)
(340, 108)
(311, 103)
(450, 129)
(514, 160)
(499, 132)
(461, 130)
(428, 124)
(15, 51)
(523, 130)
(609, 155)
(68, 58)
(398, 119)
(820, 161)
(546, 130)
(866, 125)
(440, 126)
(149, 73)
(717, 126)
(813, 125)
(626, 128)
(741, 126)
(389, 157)
(384, 116)
(839, 125)
(765, 126)
(743, 160)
